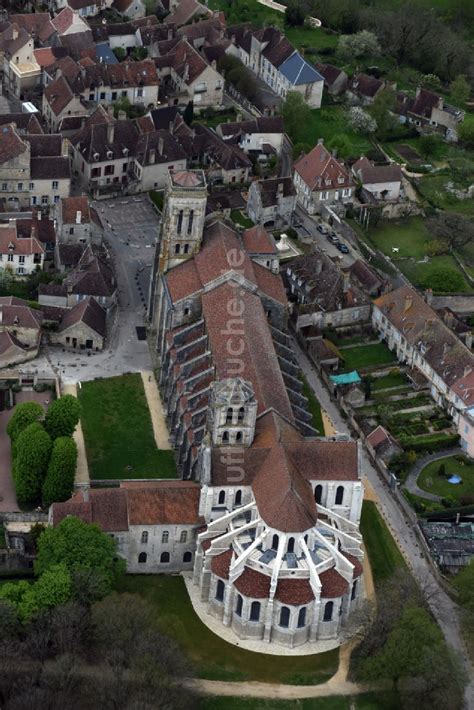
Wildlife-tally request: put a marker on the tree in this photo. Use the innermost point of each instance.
(382, 110)
(296, 115)
(62, 416)
(443, 279)
(460, 90)
(120, 53)
(59, 481)
(430, 81)
(80, 546)
(188, 115)
(23, 415)
(464, 583)
(361, 121)
(361, 44)
(428, 145)
(33, 449)
(453, 229)
(342, 144)
(466, 135)
(294, 13)
(140, 53)
(52, 588)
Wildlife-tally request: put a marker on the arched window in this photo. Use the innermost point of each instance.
(180, 222)
(302, 618)
(238, 498)
(165, 557)
(142, 558)
(176, 248)
(354, 589)
(221, 500)
(186, 249)
(284, 617)
(238, 436)
(255, 611)
(238, 608)
(229, 415)
(187, 557)
(165, 536)
(225, 436)
(144, 537)
(328, 611)
(241, 414)
(339, 495)
(220, 587)
(190, 221)
(291, 544)
(275, 540)
(306, 539)
(318, 493)
(183, 536)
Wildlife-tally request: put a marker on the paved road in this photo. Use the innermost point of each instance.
(412, 478)
(308, 228)
(131, 231)
(442, 607)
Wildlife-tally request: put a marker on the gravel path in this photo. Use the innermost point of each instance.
(411, 482)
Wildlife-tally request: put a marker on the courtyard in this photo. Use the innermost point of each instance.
(118, 431)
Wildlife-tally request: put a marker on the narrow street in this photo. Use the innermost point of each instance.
(443, 608)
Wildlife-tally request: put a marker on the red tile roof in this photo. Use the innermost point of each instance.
(257, 240)
(294, 591)
(321, 170)
(356, 562)
(253, 584)
(11, 145)
(333, 584)
(220, 564)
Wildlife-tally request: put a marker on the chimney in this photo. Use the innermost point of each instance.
(318, 267)
(445, 349)
(65, 147)
(38, 215)
(214, 64)
(78, 217)
(280, 189)
(58, 73)
(152, 156)
(85, 494)
(1, 315)
(467, 370)
(408, 302)
(15, 32)
(334, 152)
(429, 296)
(468, 339)
(186, 72)
(346, 276)
(161, 145)
(12, 222)
(122, 115)
(449, 318)
(110, 133)
(320, 141)
(171, 127)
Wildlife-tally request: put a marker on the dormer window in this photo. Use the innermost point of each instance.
(110, 155)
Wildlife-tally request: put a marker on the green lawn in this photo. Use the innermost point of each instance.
(315, 38)
(410, 237)
(214, 658)
(430, 481)
(432, 187)
(393, 379)
(238, 217)
(313, 406)
(330, 121)
(367, 701)
(363, 356)
(384, 555)
(118, 431)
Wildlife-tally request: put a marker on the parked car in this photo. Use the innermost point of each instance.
(322, 229)
(297, 224)
(342, 248)
(333, 238)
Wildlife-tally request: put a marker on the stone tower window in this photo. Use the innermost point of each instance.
(190, 222)
(180, 222)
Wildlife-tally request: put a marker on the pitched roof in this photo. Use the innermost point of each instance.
(92, 276)
(220, 564)
(24, 122)
(257, 240)
(106, 507)
(329, 72)
(270, 189)
(11, 243)
(65, 19)
(298, 71)
(11, 144)
(86, 311)
(263, 124)
(184, 11)
(365, 85)
(10, 344)
(253, 584)
(58, 94)
(45, 146)
(70, 206)
(332, 584)
(37, 24)
(163, 503)
(321, 170)
(19, 314)
(294, 591)
(51, 168)
(368, 173)
(421, 326)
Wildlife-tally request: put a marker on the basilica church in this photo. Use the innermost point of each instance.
(267, 507)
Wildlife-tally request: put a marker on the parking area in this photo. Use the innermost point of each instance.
(131, 229)
(307, 229)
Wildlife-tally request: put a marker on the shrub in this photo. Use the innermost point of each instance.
(59, 480)
(430, 443)
(62, 416)
(24, 415)
(33, 449)
(442, 471)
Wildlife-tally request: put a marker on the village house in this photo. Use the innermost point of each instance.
(321, 180)
(272, 202)
(363, 88)
(205, 33)
(259, 137)
(182, 12)
(261, 247)
(414, 331)
(269, 54)
(21, 256)
(21, 72)
(59, 101)
(335, 79)
(324, 294)
(24, 123)
(77, 222)
(382, 445)
(69, 21)
(429, 113)
(223, 162)
(130, 9)
(83, 326)
(20, 331)
(382, 181)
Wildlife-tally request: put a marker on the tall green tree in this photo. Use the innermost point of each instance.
(295, 13)
(381, 111)
(59, 481)
(62, 416)
(33, 449)
(23, 415)
(296, 115)
(459, 90)
(80, 546)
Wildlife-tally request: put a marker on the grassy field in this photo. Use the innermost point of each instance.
(432, 187)
(393, 379)
(368, 701)
(328, 122)
(411, 237)
(384, 555)
(431, 482)
(360, 356)
(238, 217)
(118, 432)
(214, 658)
(313, 406)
